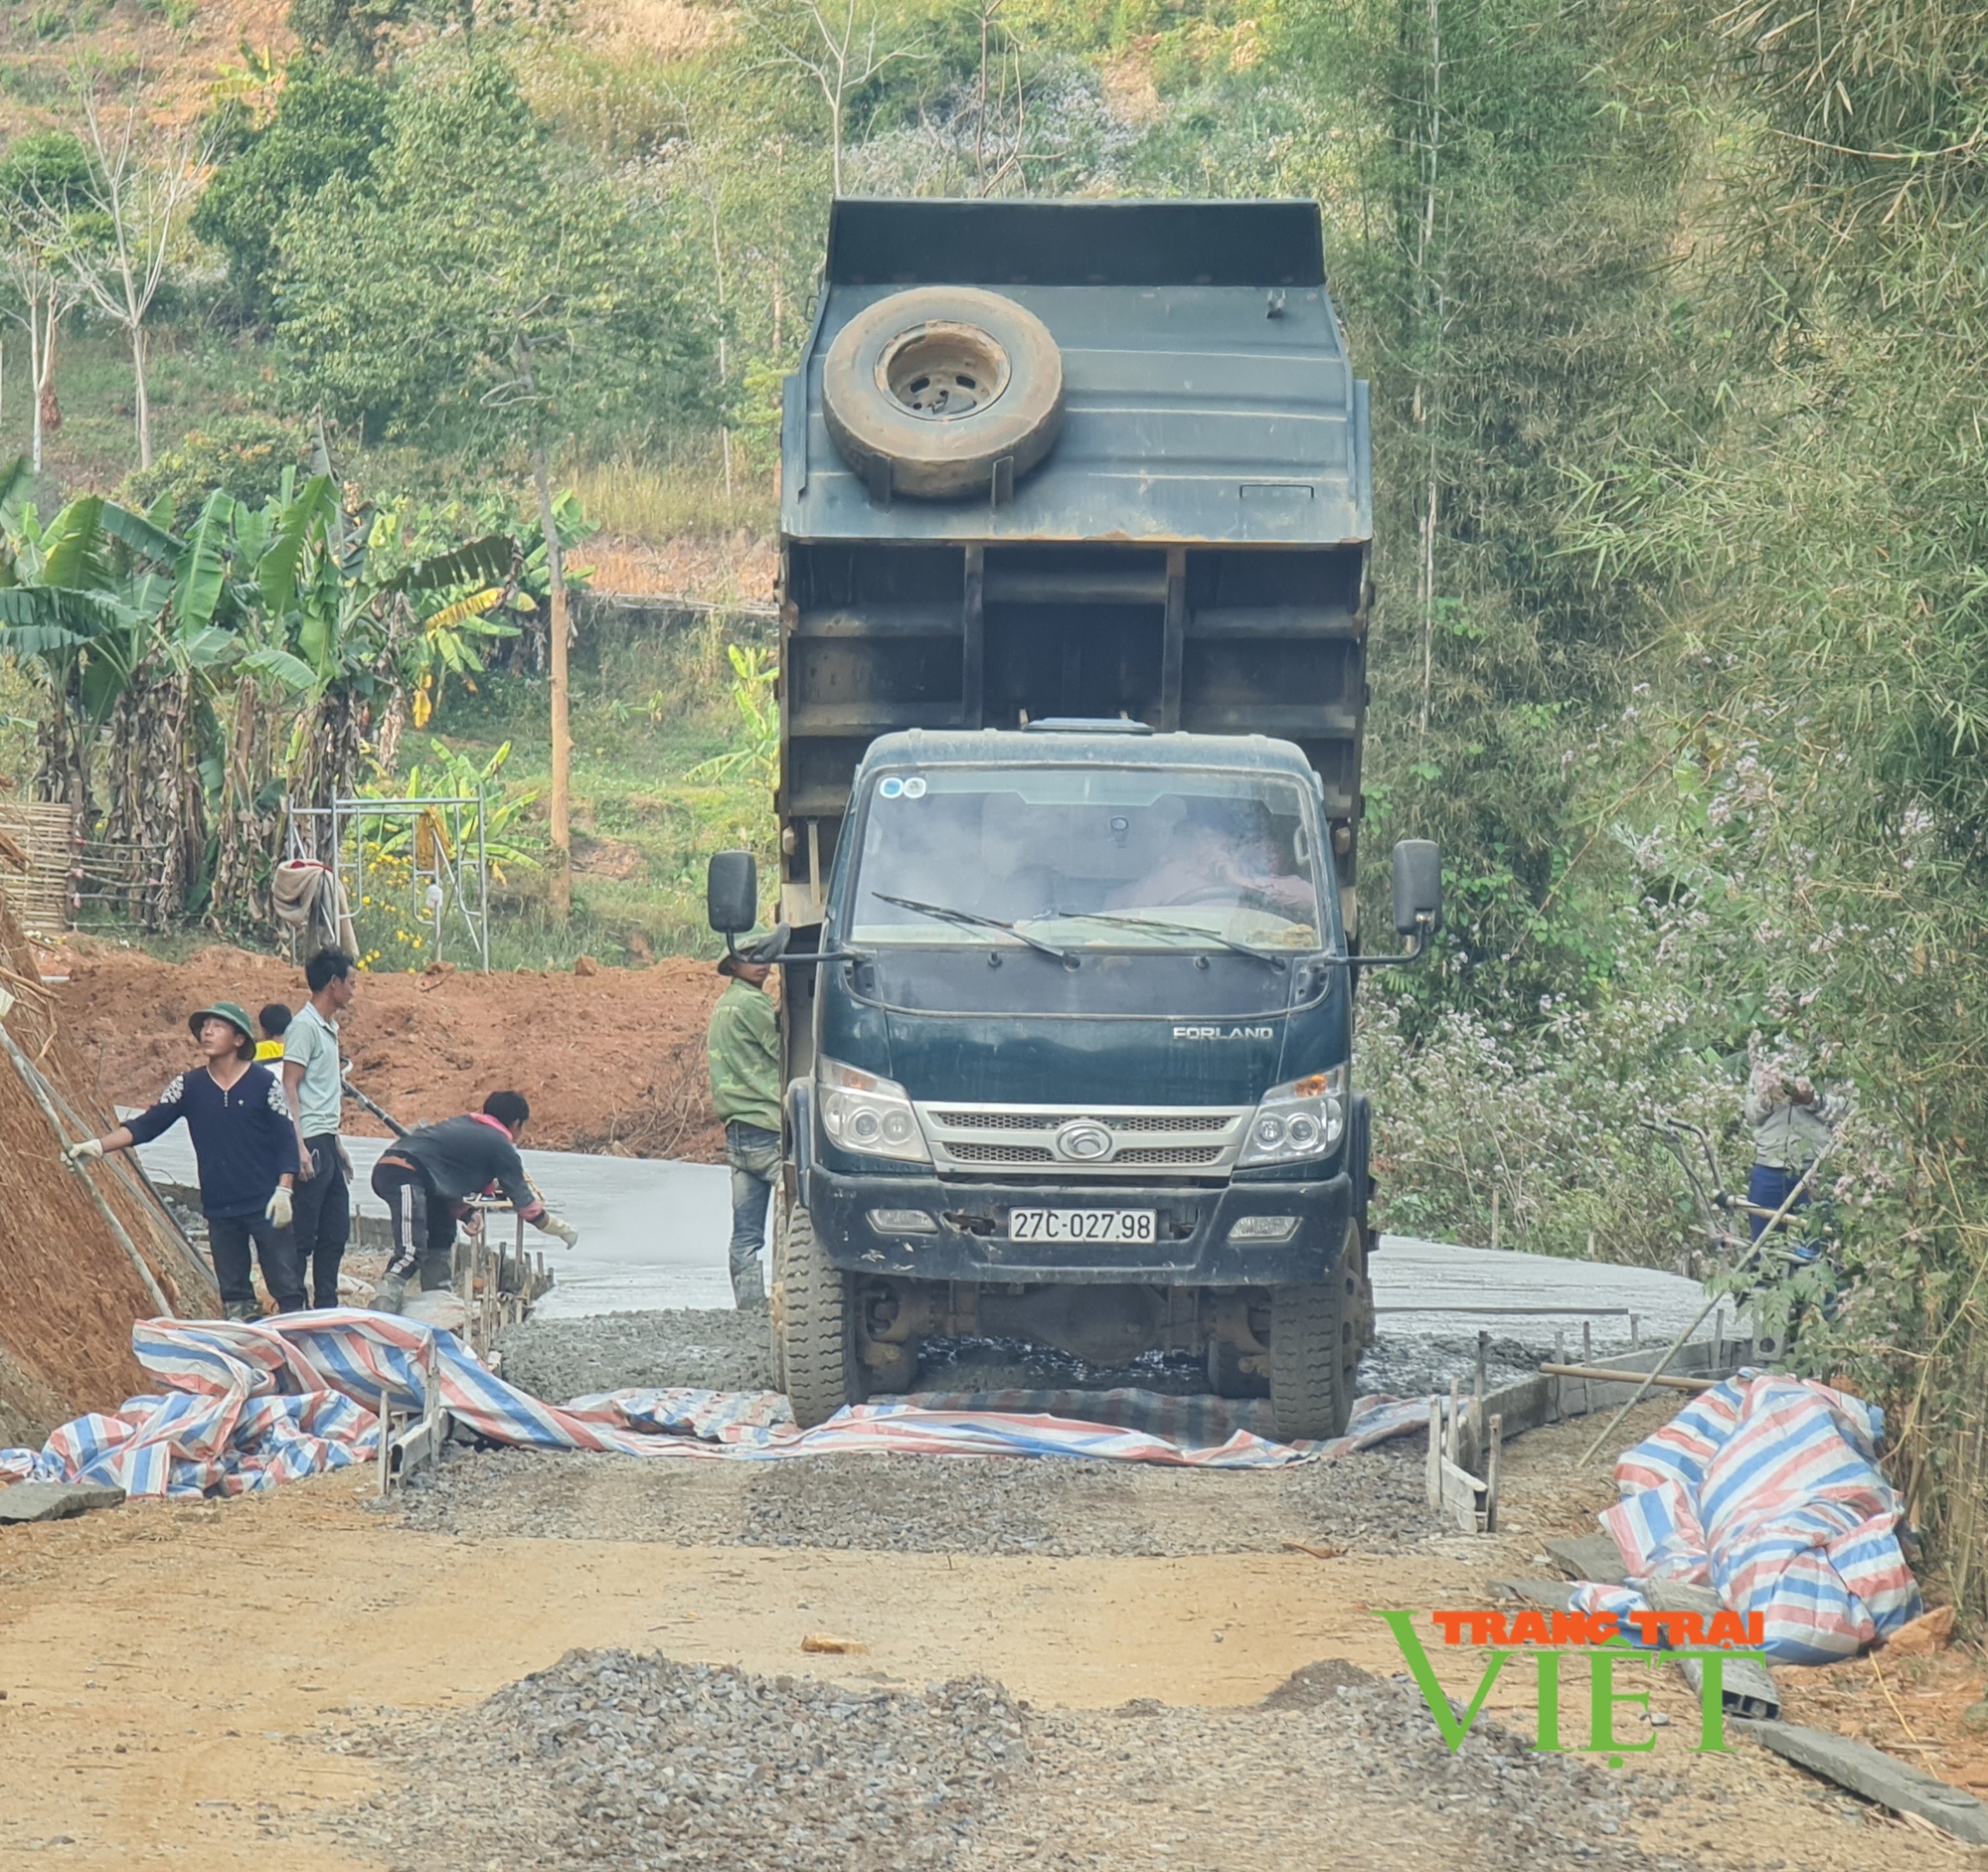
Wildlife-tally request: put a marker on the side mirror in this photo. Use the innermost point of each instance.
(1417, 887)
(732, 892)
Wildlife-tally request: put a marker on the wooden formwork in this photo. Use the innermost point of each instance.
(497, 1278)
(38, 895)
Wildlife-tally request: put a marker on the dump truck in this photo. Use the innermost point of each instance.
(1076, 516)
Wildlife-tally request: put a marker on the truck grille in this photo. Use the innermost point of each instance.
(1001, 1153)
(1143, 1142)
(990, 1118)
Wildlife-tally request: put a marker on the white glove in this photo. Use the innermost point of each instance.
(278, 1210)
(85, 1152)
(558, 1226)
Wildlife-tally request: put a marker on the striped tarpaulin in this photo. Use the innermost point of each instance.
(1767, 1491)
(246, 1406)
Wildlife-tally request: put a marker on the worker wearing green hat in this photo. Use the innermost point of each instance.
(246, 1143)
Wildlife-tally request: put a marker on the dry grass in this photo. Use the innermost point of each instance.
(660, 499)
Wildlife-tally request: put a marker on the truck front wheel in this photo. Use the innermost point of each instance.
(817, 1327)
(1315, 1350)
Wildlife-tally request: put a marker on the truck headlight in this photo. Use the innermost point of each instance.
(867, 1115)
(1296, 1123)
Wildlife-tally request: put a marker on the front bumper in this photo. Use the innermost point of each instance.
(1193, 1246)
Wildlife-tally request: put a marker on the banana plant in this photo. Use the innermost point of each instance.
(197, 649)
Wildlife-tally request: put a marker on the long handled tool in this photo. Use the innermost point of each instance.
(365, 1104)
(1677, 1344)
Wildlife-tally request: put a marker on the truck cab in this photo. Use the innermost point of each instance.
(1075, 519)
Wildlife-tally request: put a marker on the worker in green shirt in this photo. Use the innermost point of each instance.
(744, 1048)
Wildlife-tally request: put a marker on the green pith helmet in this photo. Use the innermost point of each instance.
(231, 1011)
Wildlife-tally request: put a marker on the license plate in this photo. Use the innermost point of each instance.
(1081, 1224)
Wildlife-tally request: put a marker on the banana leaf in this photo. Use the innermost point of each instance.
(72, 547)
(202, 570)
(481, 562)
(292, 671)
(277, 572)
(141, 535)
(14, 486)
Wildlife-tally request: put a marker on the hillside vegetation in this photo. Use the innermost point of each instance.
(1673, 315)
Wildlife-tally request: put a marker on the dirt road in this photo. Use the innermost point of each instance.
(303, 1681)
(612, 1060)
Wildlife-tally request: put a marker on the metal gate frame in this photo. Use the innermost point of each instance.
(452, 872)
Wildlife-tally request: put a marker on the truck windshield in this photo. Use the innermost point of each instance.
(1087, 858)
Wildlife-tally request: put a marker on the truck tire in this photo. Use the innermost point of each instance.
(942, 393)
(817, 1328)
(1315, 1351)
(776, 1304)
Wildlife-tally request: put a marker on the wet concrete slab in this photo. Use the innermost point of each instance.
(653, 1235)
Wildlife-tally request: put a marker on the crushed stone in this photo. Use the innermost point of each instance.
(1373, 1501)
(641, 1763)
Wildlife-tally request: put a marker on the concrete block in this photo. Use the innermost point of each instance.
(55, 1501)
(1550, 1595)
(1745, 1687)
(1876, 1777)
(1589, 1557)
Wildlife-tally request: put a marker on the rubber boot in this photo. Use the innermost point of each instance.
(389, 1296)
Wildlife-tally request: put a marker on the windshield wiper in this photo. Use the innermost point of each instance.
(1179, 929)
(971, 920)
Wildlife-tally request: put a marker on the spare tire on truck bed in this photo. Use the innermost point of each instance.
(932, 391)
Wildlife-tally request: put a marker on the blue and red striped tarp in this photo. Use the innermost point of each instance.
(246, 1406)
(1767, 1491)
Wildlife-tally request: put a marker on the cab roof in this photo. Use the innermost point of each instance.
(1075, 745)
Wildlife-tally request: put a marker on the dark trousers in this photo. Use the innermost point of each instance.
(1768, 1189)
(228, 1239)
(423, 1225)
(321, 1211)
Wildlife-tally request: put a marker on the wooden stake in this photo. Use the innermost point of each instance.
(1434, 1478)
(1491, 1472)
(386, 1443)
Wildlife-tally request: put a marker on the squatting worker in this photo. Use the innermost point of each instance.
(744, 1050)
(313, 1087)
(1791, 1124)
(427, 1177)
(247, 1149)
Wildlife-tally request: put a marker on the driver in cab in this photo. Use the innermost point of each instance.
(1217, 853)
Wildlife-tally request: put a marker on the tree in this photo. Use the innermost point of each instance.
(142, 185)
(44, 184)
(835, 46)
(345, 33)
(327, 123)
(484, 285)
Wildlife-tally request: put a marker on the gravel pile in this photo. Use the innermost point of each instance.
(558, 1359)
(1373, 1501)
(714, 1348)
(1400, 1366)
(637, 1762)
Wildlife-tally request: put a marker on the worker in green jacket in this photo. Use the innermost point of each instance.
(744, 1049)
